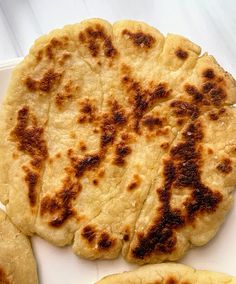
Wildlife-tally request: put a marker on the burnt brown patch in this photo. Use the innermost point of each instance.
(118, 114)
(211, 96)
(207, 86)
(210, 151)
(82, 146)
(126, 234)
(48, 80)
(193, 91)
(45, 84)
(162, 132)
(31, 179)
(88, 112)
(66, 94)
(58, 155)
(121, 152)
(172, 280)
(111, 123)
(180, 121)
(213, 115)
(225, 166)
(135, 183)
(217, 96)
(31, 84)
(88, 163)
(95, 182)
(89, 233)
(184, 109)
(181, 170)
(29, 138)
(3, 277)
(60, 99)
(54, 45)
(208, 73)
(60, 205)
(108, 130)
(152, 122)
(140, 39)
(221, 111)
(105, 242)
(126, 237)
(96, 40)
(181, 54)
(101, 173)
(109, 49)
(165, 145)
(141, 99)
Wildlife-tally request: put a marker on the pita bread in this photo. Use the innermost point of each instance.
(168, 273)
(118, 139)
(17, 263)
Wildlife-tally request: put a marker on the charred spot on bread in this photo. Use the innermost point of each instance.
(135, 183)
(88, 112)
(151, 122)
(184, 109)
(96, 39)
(121, 152)
(225, 166)
(30, 137)
(89, 233)
(181, 54)
(105, 242)
(211, 95)
(207, 86)
(193, 91)
(140, 39)
(45, 84)
(208, 73)
(31, 179)
(60, 205)
(181, 169)
(172, 280)
(142, 99)
(89, 162)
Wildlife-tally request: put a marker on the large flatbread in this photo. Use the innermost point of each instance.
(118, 139)
(168, 273)
(17, 263)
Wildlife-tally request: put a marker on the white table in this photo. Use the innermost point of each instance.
(209, 23)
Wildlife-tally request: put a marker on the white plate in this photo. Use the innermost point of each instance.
(60, 265)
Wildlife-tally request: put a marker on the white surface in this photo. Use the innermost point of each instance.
(210, 23)
(60, 265)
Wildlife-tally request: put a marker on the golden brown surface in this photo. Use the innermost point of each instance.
(118, 139)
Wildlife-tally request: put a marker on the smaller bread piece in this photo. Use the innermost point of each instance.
(17, 263)
(168, 273)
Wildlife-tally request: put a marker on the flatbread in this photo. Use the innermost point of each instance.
(118, 139)
(168, 273)
(17, 263)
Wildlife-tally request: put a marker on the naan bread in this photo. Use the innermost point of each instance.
(168, 273)
(118, 139)
(17, 263)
